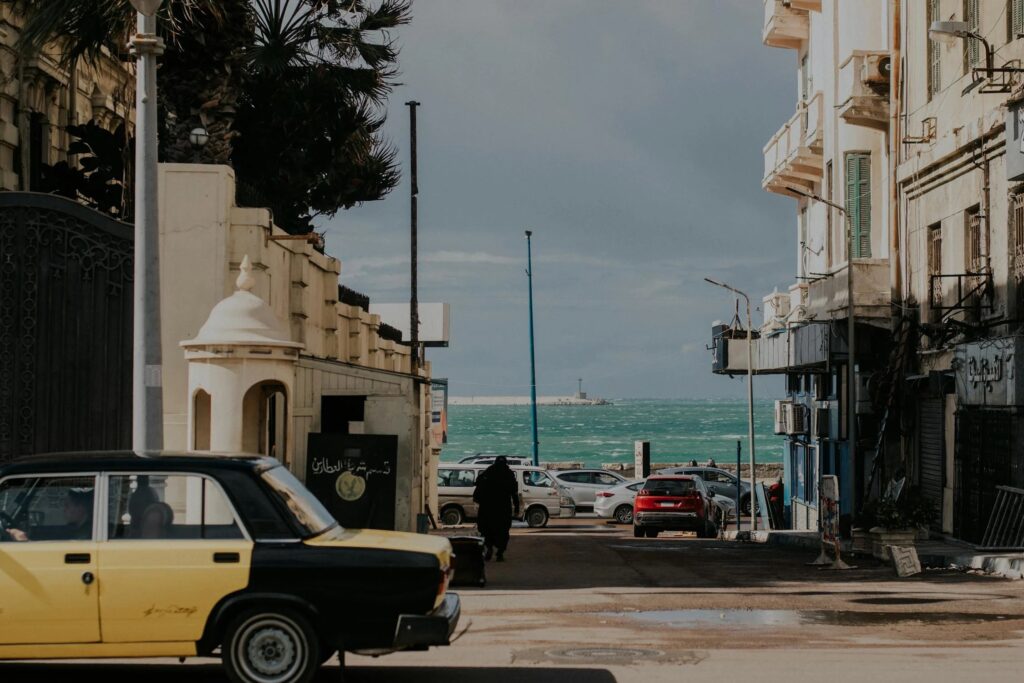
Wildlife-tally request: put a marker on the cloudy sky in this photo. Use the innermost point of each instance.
(627, 135)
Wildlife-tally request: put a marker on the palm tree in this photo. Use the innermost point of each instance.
(312, 114)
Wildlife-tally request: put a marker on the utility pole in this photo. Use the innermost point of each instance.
(414, 307)
(750, 409)
(147, 361)
(533, 363)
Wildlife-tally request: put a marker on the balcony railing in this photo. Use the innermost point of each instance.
(784, 25)
(864, 90)
(950, 293)
(828, 295)
(794, 154)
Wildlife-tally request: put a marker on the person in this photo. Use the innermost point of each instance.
(693, 463)
(77, 518)
(156, 521)
(775, 497)
(497, 495)
(711, 463)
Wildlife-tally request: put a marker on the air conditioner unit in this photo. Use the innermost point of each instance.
(876, 70)
(796, 419)
(781, 416)
(819, 423)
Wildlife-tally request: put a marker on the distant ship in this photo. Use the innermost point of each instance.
(580, 399)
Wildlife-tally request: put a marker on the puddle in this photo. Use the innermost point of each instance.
(703, 618)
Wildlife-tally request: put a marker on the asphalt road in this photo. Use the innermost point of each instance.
(584, 602)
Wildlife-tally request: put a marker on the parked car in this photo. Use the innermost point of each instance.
(182, 555)
(540, 496)
(720, 481)
(488, 459)
(617, 502)
(674, 503)
(583, 485)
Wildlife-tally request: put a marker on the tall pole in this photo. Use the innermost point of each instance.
(147, 364)
(533, 362)
(414, 306)
(750, 405)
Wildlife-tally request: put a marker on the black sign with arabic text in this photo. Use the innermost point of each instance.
(354, 476)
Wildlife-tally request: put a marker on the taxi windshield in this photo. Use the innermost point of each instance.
(308, 512)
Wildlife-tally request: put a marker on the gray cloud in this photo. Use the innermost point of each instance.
(628, 136)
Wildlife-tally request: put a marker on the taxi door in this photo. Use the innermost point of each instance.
(174, 547)
(48, 591)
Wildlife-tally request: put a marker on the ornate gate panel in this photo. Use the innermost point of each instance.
(65, 327)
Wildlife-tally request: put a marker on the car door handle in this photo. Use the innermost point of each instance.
(77, 558)
(226, 558)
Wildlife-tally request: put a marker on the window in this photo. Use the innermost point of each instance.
(935, 263)
(1014, 19)
(534, 478)
(575, 477)
(975, 245)
(829, 211)
(308, 512)
(636, 487)
(156, 506)
(604, 479)
(934, 52)
(1017, 216)
(670, 487)
(802, 227)
(456, 477)
(972, 46)
(47, 508)
(858, 201)
(717, 477)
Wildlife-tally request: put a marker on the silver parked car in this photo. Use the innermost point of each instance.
(583, 485)
(719, 481)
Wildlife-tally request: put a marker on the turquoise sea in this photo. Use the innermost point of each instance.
(679, 430)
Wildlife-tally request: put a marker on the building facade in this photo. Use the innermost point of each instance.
(39, 99)
(905, 153)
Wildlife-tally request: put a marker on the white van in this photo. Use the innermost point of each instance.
(540, 496)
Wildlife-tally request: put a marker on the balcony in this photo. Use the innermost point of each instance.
(784, 25)
(864, 90)
(828, 300)
(801, 347)
(794, 154)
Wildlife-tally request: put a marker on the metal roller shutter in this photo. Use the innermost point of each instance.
(931, 454)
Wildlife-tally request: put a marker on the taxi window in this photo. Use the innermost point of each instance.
(47, 508)
(533, 478)
(156, 506)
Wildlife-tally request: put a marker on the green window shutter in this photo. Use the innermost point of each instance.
(858, 202)
(972, 46)
(1016, 18)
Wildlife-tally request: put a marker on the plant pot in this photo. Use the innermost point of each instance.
(882, 538)
(863, 542)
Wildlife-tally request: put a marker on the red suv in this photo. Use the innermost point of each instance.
(673, 503)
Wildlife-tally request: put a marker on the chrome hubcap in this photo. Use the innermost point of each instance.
(271, 650)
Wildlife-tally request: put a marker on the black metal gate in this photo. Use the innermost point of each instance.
(65, 327)
(988, 454)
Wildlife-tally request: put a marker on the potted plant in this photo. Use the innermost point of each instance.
(898, 520)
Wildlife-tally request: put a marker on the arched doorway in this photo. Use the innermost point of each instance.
(201, 408)
(264, 419)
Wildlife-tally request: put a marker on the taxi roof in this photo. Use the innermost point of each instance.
(121, 460)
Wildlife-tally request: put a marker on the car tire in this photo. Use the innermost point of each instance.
(624, 514)
(536, 517)
(270, 645)
(638, 532)
(452, 516)
(710, 529)
(652, 533)
(745, 506)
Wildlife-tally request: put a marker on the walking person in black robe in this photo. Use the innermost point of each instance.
(497, 496)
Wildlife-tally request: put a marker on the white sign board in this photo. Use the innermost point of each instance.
(435, 321)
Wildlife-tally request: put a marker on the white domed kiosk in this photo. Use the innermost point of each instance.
(241, 372)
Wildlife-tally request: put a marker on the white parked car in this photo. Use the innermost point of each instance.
(617, 502)
(583, 485)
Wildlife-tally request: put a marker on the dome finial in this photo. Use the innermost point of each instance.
(245, 281)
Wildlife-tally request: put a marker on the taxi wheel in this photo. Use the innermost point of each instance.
(451, 516)
(537, 517)
(271, 646)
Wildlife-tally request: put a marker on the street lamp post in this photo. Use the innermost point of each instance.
(533, 364)
(147, 363)
(750, 405)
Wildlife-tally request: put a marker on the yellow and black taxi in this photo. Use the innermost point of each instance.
(122, 555)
